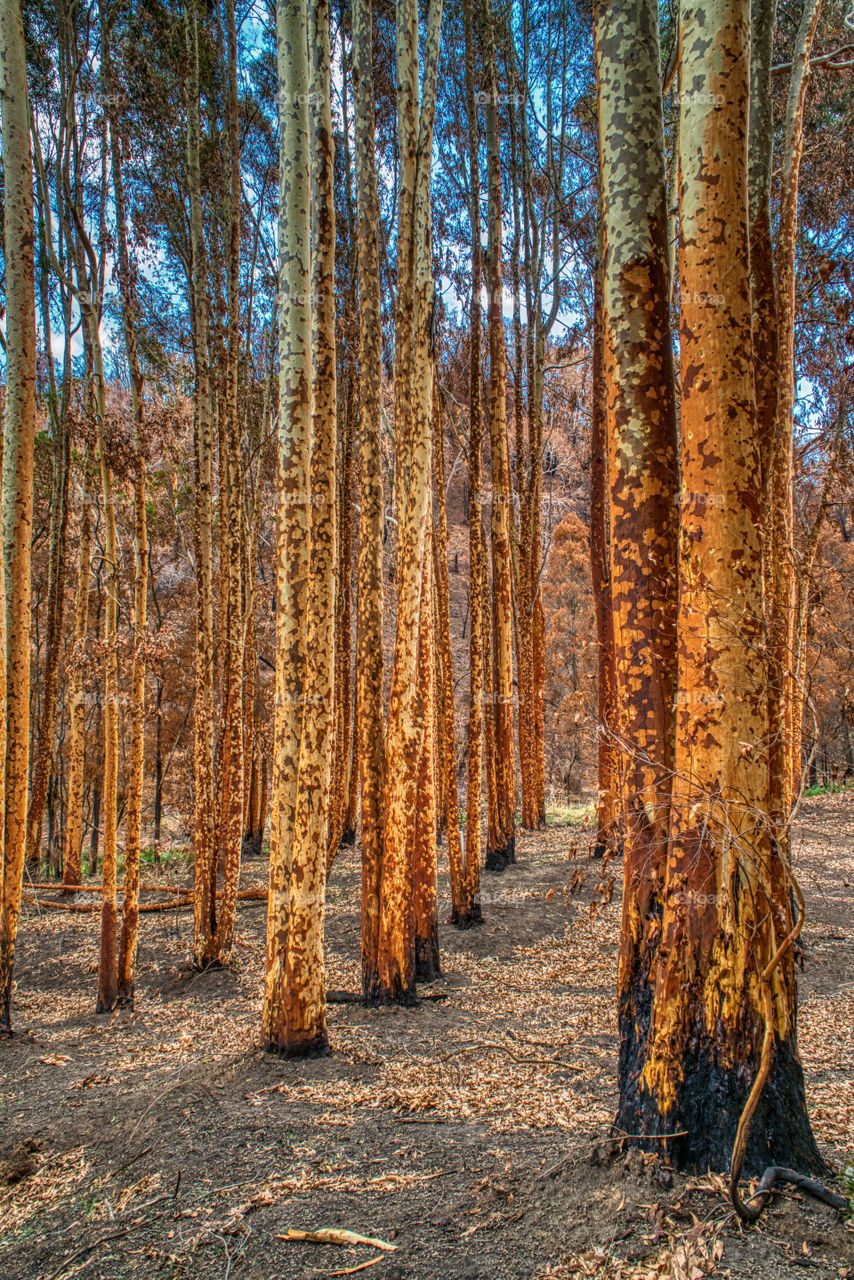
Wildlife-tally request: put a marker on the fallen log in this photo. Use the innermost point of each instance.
(176, 904)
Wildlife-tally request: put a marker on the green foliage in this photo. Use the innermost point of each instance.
(572, 815)
(832, 789)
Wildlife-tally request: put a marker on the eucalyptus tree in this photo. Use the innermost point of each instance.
(294, 1015)
(369, 621)
(413, 408)
(721, 1034)
(637, 381)
(19, 421)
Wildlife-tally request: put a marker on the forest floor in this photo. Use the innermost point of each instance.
(471, 1132)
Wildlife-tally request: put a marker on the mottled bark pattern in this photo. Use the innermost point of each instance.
(641, 441)
(445, 719)
(204, 901)
(53, 637)
(413, 406)
(608, 803)
(786, 671)
(727, 899)
(71, 862)
(130, 917)
(501, 837)
(294, 1017)
(294, 438)
(18, 435)
(470, 911)
(369, 621)
(233, 531)
(108, 961)
(423, 858)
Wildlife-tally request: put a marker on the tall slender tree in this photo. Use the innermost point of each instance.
(19, 420)
(72, 853)
(608, 815)
(133, 819)
(641, 442)
(369, 620)
(204, 853)
(471, 911)
(445, 727)
(787, 709)
(501, 841)
(413, 403)
(295, 1002)
(725, 993)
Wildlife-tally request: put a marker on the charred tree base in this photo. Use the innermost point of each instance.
(468, 919)
(6, 1005)
(296, 1047)
(427, 966)
(396, 993)
(251, 847)
(709, 1101)
(498, 859)
(348, 836)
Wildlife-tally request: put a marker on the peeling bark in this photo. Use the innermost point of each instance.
(727, 899)
(641, 441)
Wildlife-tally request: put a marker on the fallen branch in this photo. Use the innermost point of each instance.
(88, 908)
(336, 1235)
(176, 904)
(351, 1271)
(776, 1174)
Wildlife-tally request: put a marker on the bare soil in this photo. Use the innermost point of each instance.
(472, 1132)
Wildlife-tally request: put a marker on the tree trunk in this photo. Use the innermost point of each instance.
(71, 869)
(204, 902)
(608, 798)
(53, 638)
(294, 454)
(727, 904)
(423, 855)
(369, 604)
(133, 818)
(343, 626)
(766, 378)
(786, 722)
(107, 968)
(231, 793)
(18, 436)
(501, 841)
(470, 912)
(413, 381)
(158, 769)
(641, 430)
(446, 726)
(295, 998)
